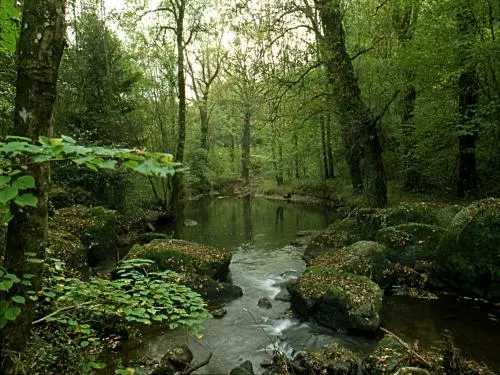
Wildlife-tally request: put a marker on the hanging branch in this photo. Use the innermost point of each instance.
(407, 347)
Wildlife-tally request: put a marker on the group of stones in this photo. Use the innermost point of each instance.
(418, 246)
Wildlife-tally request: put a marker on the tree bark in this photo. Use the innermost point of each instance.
(245, 148)
(329, 151)
(40, 49)
(177, 179)
(358, 124)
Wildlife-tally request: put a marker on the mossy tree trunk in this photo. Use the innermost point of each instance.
(39, 53)
(359, 125)
(245, 147)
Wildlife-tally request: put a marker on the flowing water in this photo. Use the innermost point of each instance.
(258, 233)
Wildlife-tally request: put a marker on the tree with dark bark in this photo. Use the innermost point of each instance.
(359, 125)
(40, 50)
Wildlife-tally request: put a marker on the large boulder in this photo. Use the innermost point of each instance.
(339, 234)
(365, 258)
(409, 243)
(67, 247)
(337, 300)
(334, 359)
(186, 257)
(95, 227)
(468, 255)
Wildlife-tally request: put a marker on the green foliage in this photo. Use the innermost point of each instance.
(9, 26)
(18, 153)
(136, 296)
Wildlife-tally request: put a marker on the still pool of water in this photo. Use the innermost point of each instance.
(258, 232)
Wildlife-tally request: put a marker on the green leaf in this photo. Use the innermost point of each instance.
(12, 313)
(107, 164)
(19, 299)
(26, 200)
(4, 180)
(24, 182)
(5, 285)
(68, 139)
(7, 194)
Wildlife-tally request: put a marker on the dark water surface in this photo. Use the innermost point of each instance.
(258, 232)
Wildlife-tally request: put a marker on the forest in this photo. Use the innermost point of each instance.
(136, 137)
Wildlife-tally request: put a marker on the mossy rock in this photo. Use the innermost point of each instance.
(60, 197)
(340, 234)
(387, 357)
(186, 257)
(408, 243)
(364, 258)
(468, 255)
(333, 359)
(371, 220)
(337, 300)
(95, 227)
(67, 247)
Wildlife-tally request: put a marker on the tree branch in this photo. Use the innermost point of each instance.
(407, 347)
(67, 308)
(384, 110)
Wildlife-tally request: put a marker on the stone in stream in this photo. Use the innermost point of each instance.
(337, 299)
(219, 313)
(245, 368)
(176, 360)
(333, 359)
(184, 256)
(284, 296)
(265, 303)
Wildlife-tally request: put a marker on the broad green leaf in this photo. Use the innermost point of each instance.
(7, 194)
(68, 139)
(26, 200)
(107, 164)
(12, 313)
(24, 182)
(19, 299)
(83, 160)
(4, 180)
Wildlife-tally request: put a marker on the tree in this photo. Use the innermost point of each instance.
(40, 50)
(359, 124)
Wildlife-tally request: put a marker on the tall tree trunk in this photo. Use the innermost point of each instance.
(245, 148)
(329, 151)
(40, 49)
(297, 155)
(177, 179)
(358, 124)
(468, 99)
(324, 155)
(204, 122)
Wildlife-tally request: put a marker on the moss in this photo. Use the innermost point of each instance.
(334, 359)
(468, 253)
(363, 258)
(68, 248)
(387, 357)
(95, 227)
(408, 243)
(337, 299)
(183, 256)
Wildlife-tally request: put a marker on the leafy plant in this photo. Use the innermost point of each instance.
(9, 26)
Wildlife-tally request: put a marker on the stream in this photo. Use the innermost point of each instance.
(258, 233)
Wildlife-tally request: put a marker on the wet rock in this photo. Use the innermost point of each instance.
(215, 293)
(365, 258)
(246, 368)
(337, 300)
(184, 256)
(266, 363)
(467, 255)
(174, 361)
(264, 303)
(284, 296)
(95, 227)
(387, 357)
(68, 248)
(409, 243)
(333, 359)
(219, 313)
(340, 234)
